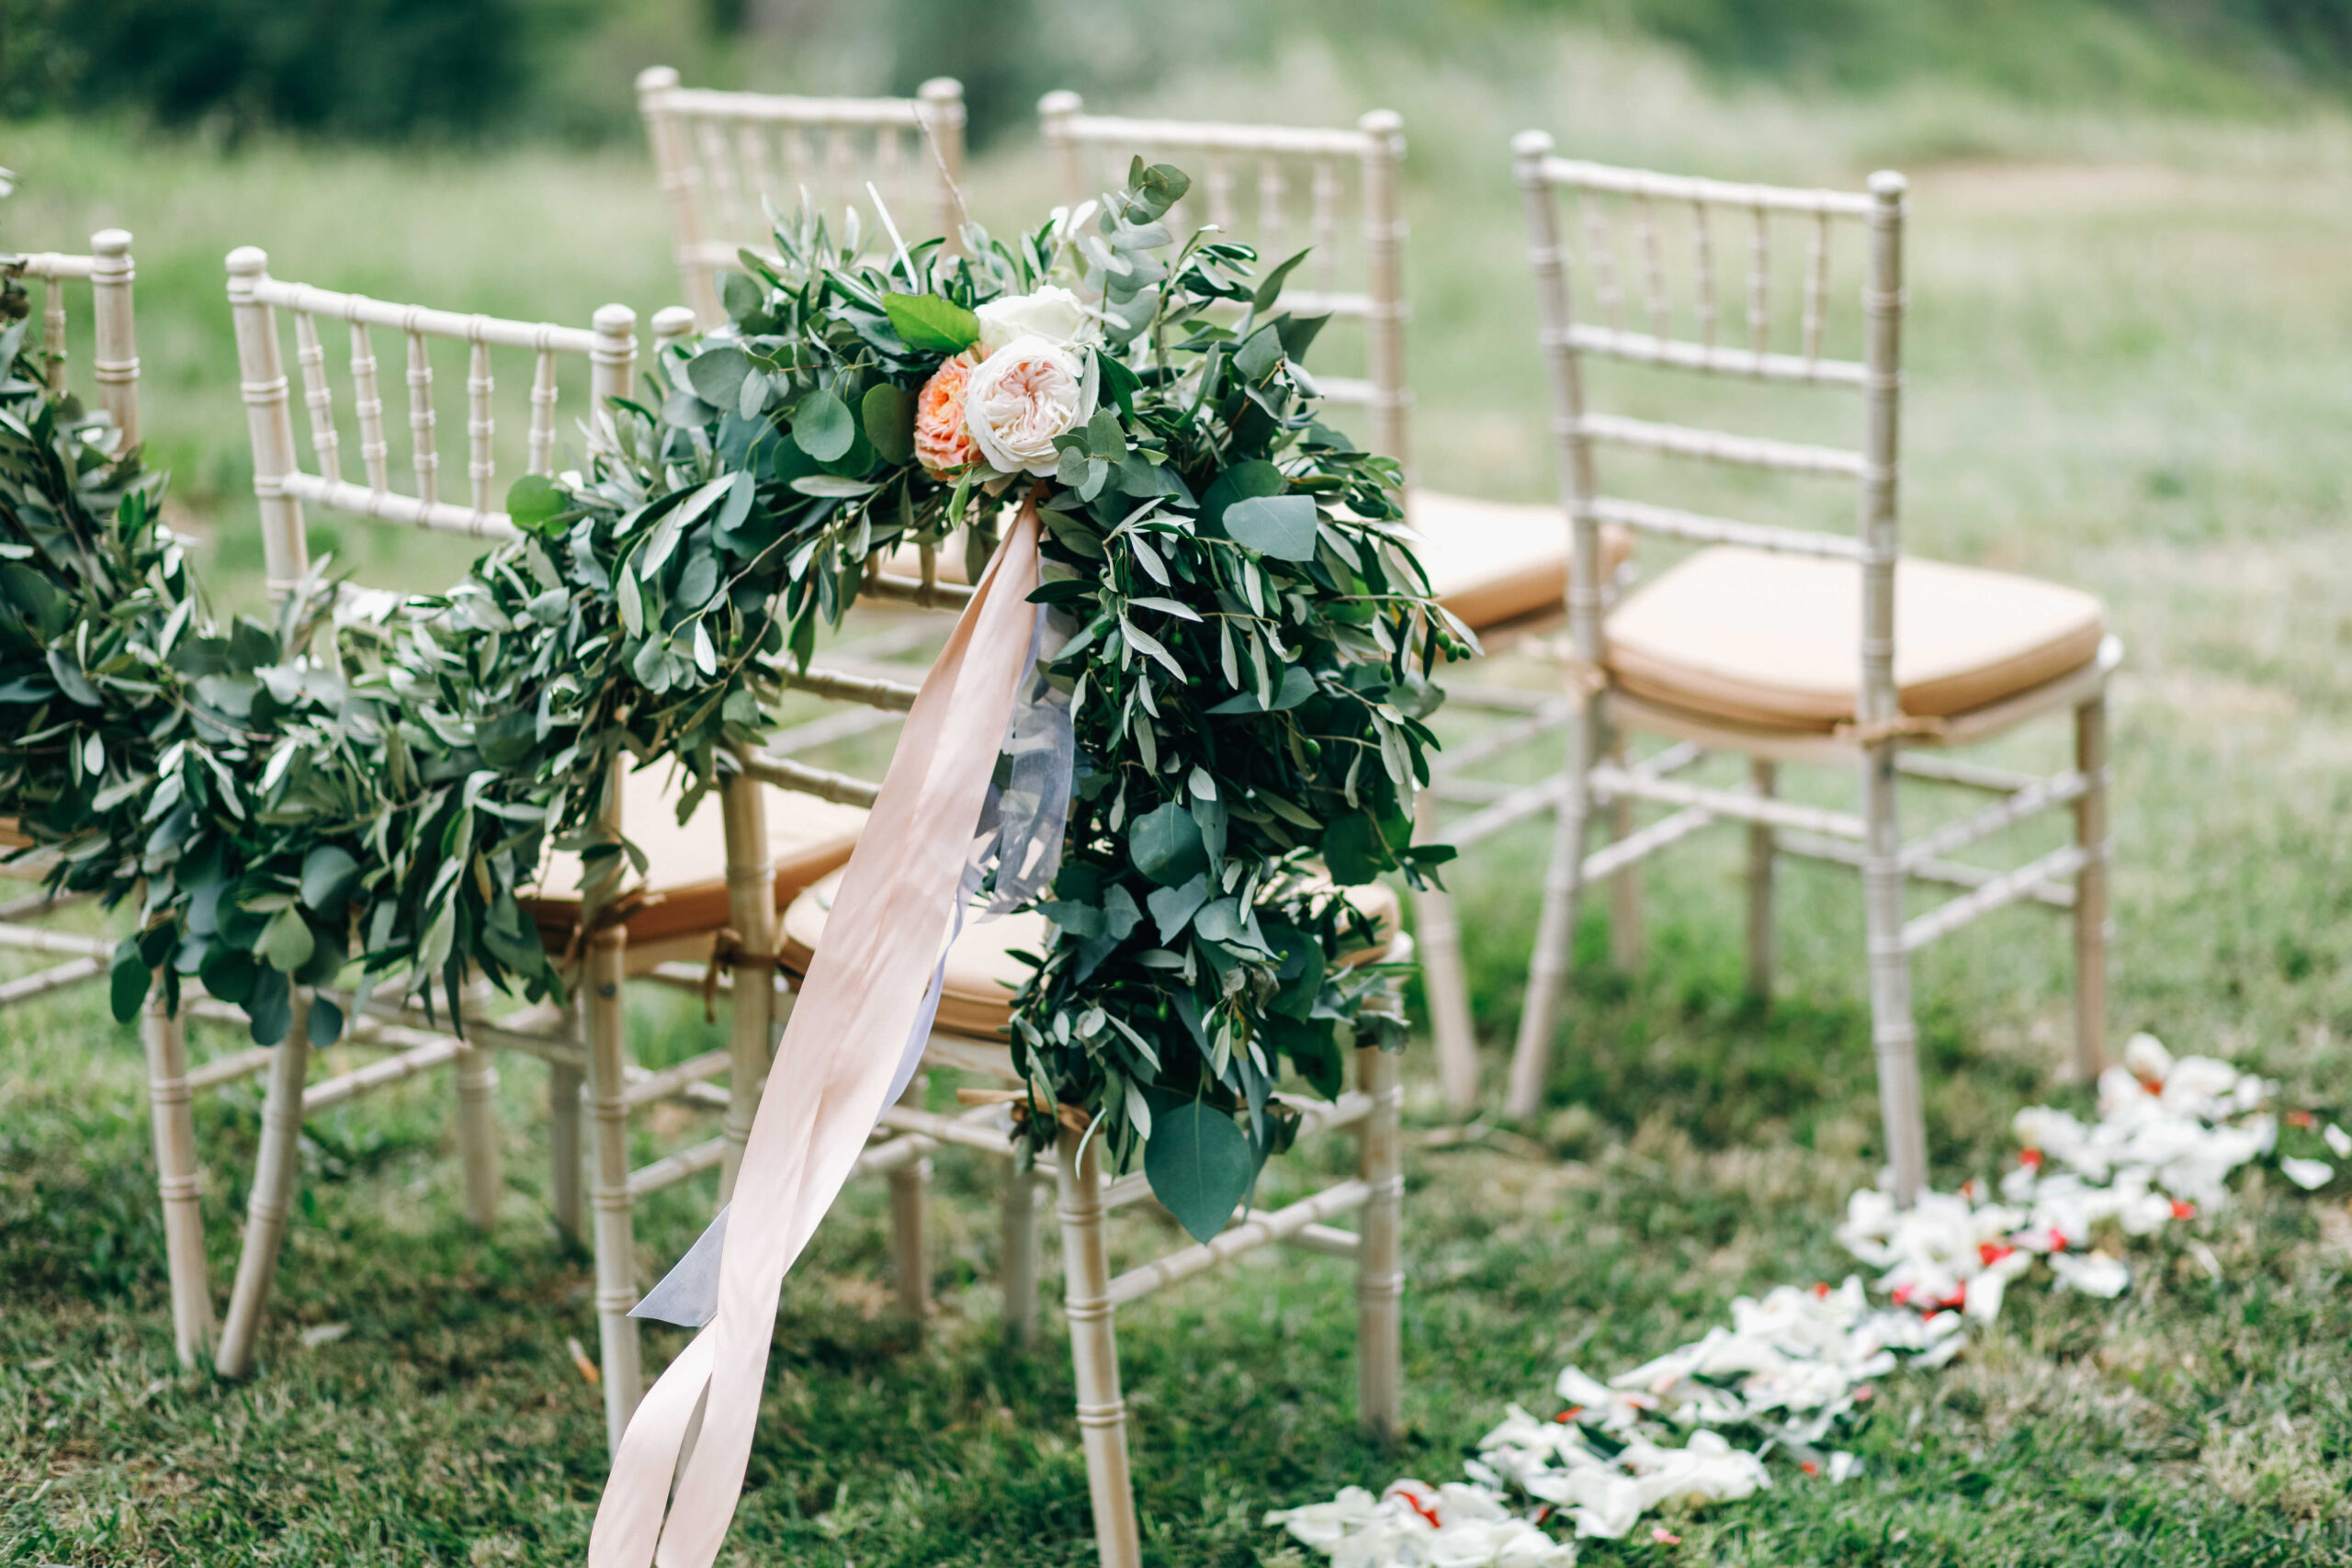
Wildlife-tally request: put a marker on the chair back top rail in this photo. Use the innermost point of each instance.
(1063, 120)
(54, 266)
(1581, 176)
(781, 108)
(423, 319)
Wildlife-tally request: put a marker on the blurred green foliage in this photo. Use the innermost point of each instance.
(379, 70)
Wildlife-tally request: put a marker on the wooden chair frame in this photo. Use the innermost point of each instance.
(282, 485)
(1879, 744)
(109, 271)
(1091, 1293)
(1077, 143)
(711, 151)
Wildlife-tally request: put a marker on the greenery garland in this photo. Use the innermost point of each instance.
(276, 798)
(1247, 665)
(1251, 638)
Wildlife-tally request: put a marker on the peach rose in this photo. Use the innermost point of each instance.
(943, 445)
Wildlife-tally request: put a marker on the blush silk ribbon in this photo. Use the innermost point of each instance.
(832, 1077)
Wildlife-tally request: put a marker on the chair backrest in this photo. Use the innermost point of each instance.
(1743, 344)
(1301, 178)
(284, 484)
(720, 154)
(114, 363)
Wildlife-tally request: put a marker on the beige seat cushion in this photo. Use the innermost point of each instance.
(1774, 641)
(976, 997)
(684, 891)
(1490, 562)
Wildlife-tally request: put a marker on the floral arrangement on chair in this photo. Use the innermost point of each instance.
(1242, 647)
(1244, 640)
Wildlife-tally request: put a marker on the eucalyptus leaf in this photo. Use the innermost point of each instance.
(1165, 845)
(1278, 525)
(822, 426)
(1201, 1166)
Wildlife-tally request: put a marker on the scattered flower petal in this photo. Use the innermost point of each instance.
(1794, 1365)
(2308, 1174)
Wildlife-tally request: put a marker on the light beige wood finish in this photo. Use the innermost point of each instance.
(725, 159)
(109, 270)
(910, 1248)
(1732, 650)
(1094, 1352)
(177, 1180)
(981, 973)
(274, 1171)
(1350, 277)
(282, 485)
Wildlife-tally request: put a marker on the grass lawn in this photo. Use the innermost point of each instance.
(2129, 355)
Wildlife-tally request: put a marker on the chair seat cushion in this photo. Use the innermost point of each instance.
(976, 999)
(1491, 562)
(684, 891)
(1774, 641)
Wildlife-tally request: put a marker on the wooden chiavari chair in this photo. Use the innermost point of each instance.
(1502, 569)
(724, 159)
(972, 1024)
(1786, 645)
(114, 368)
(704, 878)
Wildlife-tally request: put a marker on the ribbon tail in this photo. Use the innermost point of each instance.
(628, 1518)
(863, 1009)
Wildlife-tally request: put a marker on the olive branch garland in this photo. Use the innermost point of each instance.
(275, 796)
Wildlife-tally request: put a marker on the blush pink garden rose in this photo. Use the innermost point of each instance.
(943, 445)
(1022, 396)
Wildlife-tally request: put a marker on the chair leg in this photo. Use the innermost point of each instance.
(1380, 1273)
(274, 1171)
(1556, 927)
(565, 1189)
(165, 1038)
(751, 912)
(2090, 891)
(1094, 1352)
(1628, 946)
(477, 1077)
(1439, 937)
(616, 1222)
(1761, 847)
(910, 1249)
(1894, 1037)
(1017, 1257)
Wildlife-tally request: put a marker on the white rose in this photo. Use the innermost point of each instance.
(1020, 398)
(1052, 313)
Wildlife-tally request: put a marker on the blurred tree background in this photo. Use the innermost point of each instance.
(463, 70)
